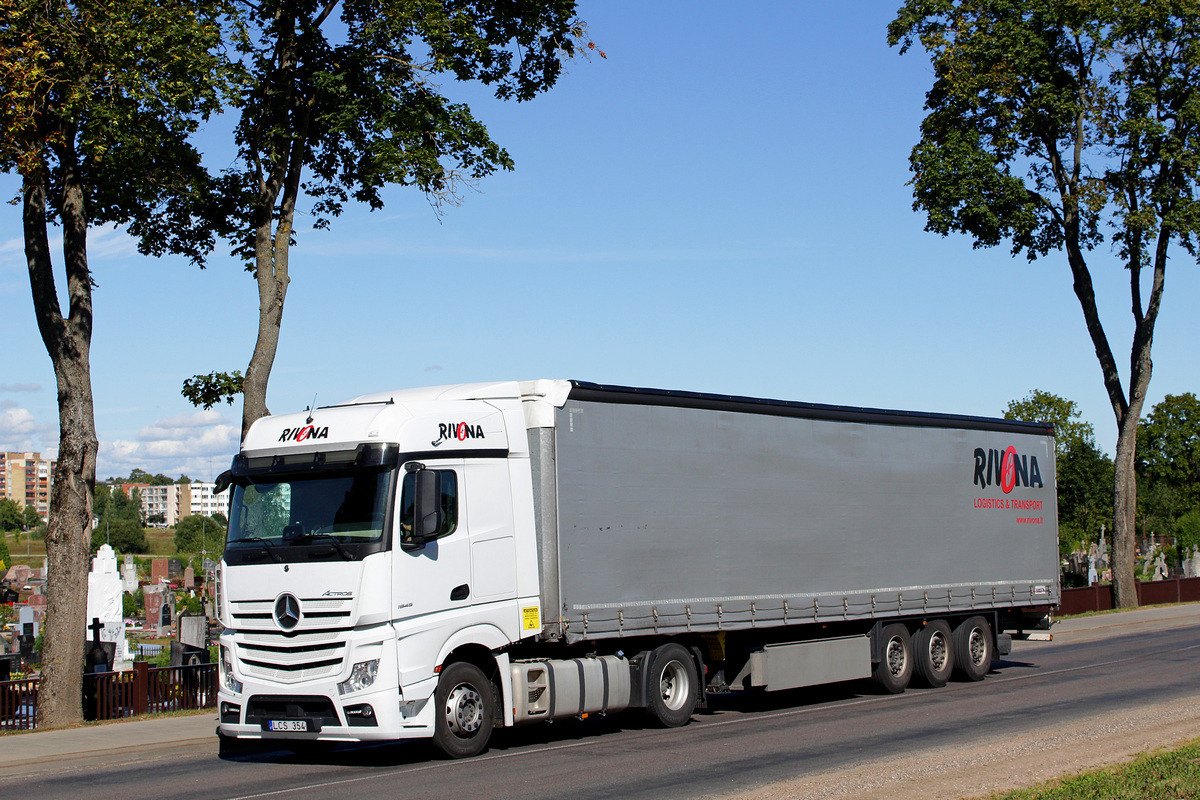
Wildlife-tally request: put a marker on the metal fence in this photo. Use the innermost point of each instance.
(114, 695)
(1099, 597)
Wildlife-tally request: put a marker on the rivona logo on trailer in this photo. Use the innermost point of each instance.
(460, 431)
(304, 432)
(1006, 469)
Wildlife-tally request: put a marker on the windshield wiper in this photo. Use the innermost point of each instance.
(267, 547)
(332, 540)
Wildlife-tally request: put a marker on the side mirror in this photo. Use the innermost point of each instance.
(224, 480)
(427, 503)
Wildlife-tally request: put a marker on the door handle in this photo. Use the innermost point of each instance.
(460, 592)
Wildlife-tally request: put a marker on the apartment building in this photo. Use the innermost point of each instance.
(163, 506)
(26, 479)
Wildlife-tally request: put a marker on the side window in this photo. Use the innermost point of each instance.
(449, 499)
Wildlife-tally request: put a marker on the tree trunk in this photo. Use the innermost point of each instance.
(1124, 517)
(68, 342)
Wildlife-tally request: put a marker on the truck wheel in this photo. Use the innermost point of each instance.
(934, 646)
(466, 703)
(895, 667)
(672, 685)
(973, 648)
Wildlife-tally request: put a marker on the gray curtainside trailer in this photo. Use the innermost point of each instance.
(796, 543)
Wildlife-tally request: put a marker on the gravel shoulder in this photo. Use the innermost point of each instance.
(1004, 763)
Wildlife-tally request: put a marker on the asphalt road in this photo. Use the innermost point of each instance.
(732, 747)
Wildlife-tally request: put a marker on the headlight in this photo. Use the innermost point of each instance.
(362, 676)
(231, 683)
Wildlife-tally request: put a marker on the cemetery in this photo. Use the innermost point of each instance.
(159, 663)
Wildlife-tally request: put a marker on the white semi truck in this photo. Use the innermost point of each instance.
(440, 562)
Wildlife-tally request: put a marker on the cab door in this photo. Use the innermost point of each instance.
(435, 576)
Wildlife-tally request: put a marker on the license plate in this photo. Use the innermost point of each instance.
(287, 725)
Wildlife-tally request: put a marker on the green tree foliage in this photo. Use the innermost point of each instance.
(32, 517)
(97, 101)
(5, 557)
(12, 516)
(1068, 126)
(121, 524)
(198, 532)
(124, 534)
(1084, 472)
(344, 99)
(1169, 447)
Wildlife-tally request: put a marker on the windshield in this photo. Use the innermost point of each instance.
(344, 507)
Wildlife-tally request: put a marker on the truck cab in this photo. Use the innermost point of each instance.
(371, 543)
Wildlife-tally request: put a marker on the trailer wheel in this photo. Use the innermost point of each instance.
(672, 685)
(934, 645)
(895, 667)
(466, 704)
(973, 648)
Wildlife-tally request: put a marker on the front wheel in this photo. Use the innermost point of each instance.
(673, 685)
(466, 704)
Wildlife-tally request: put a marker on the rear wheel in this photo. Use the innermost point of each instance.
(466, 704)
(973, 648)
(934, 646)
(672, 686)
(895, 667)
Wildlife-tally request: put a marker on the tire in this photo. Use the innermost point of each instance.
(895, 667)
(466, 706)
(973, 649)
(672, 685)
(933, 647)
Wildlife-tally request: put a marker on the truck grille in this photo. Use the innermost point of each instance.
(315, 615)
(291, 658)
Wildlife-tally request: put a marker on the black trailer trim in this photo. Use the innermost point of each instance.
(628, 395)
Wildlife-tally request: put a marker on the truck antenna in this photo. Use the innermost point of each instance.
(310, 411)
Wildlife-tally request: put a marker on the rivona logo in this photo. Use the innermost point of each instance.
(1007, 469)
(304, 432)
(460, 431)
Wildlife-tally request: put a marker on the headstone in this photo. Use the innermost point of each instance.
(37, 606)
(174, 568)
(28, 616)
(105, 602)
(189, 578)
(158, 571)
(1191, 565)
(1092, 575)
(129, 576)
(1160, 567)
(1103, 548)
(193, 629)
(153, 600)
(20, 575)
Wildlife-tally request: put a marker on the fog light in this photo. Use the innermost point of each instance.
(361, 676)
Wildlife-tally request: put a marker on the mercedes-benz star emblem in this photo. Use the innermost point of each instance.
(287, 611)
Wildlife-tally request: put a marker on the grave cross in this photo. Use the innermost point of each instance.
(95, 628)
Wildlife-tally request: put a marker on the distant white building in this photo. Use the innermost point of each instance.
(175, 501)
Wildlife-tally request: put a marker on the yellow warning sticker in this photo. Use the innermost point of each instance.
(530, 619)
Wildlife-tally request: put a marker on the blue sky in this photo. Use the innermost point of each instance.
(720, 205)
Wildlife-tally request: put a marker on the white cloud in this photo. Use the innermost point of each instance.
(196, 444)
(20, 387)
(21, 432)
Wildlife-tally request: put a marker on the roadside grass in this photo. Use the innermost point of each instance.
(1156, 775)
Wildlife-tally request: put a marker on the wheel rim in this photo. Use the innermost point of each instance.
(897, 656)
(464, 710)
(939, 652)
(977, 645)
(673, 685)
